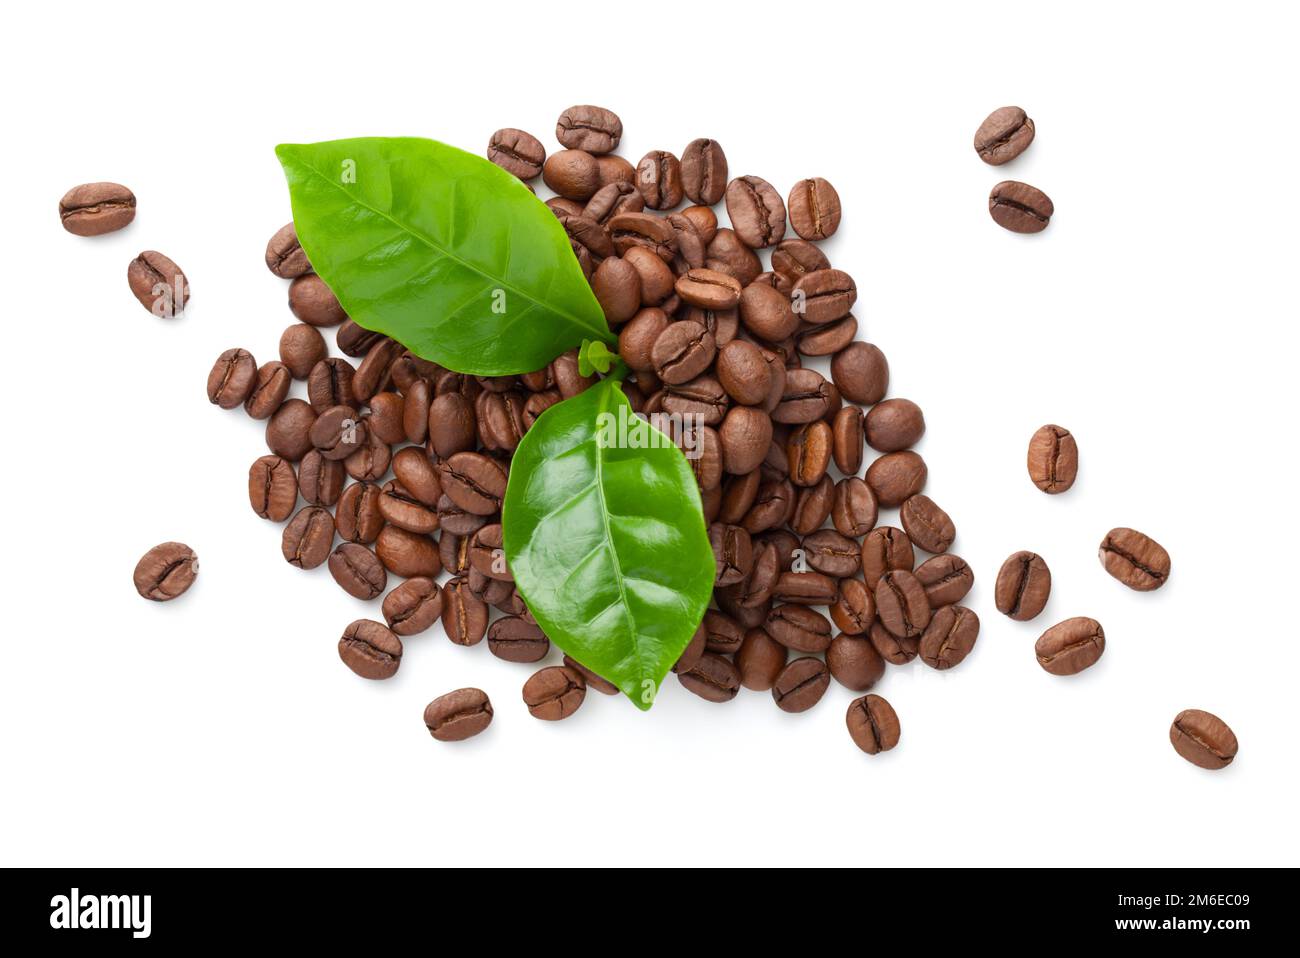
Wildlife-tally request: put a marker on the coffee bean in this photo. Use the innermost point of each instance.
(407, 554)
(417, 475)
(330, 384)
(636, 340)
(455, 520)
(612, 199)
(165, 571)
(572, 174)
(370, 649)
(358, 571)
(516, 152)
(892, 648)
(854, 510)
(709, 289)
(801, 684)
(798, 627)
(814, 208)
(946, 579)
(808, 453)
(356, 340)
(487, 555)
(806, 588)
(94, 209)
(713, 678)
(1203, 739)
(1023, 586)
(873, 724)
(158, 284)
(949, 637)
(517, 640)
(617, 286)
(458, 715)
(826, 339)
(701, 217)
(308, 538)
(464, 615)
(896, 476)
(452, 425)
(927, 525)
(704, 171)
(744, 436)
(1135, 559)
(1053, 459)
(313, 302)
(591, 128)
(885, 549)
(756, 211)
(475, 482)
(232, 378)
(338, 432)
(374, 373)
(594, 681)
(861, 373)
(732, 551)
(284, 254)
(370, 462)
(554, 693)
(824, 296)
(272, 488)
(812, 506)
(901, 604)
(759, 660)
(270, 388)
(806, 397)
(854, 662)
(413, 606)
(402, 509)
(288, 431)
(833, 554)
(894, 425)
(692, 654)
(1019, 207)
(645, 231)
(722, 634)
(1070, 646)
(854, 609)
(847, 439)
(1004, 135)
(767, 312)
(453, 550)
(682, 351)
(659, 180)
(415, 411)
(358, 516)
(728, 254)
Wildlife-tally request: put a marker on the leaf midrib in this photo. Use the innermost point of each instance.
(427, 241)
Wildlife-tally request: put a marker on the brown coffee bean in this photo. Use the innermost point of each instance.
(824, 296)
(812, 507)
(826, 339)
(901, 604)
(832, 554)
(894, 425)
(594, 681)
(927, 525)
(165, 571)
(573, 174)
(158, 284)
(808, 453)
(288, 431)
(643, 230)
(617, 286)
(487, 555)
(814, 208)
(1135, 559)
(1053, 459)
(370, 462)
(591, 128)
(338, 432)
(659, 180)
(1004, 135)
(946, 579)
(704, 171)
(464, 615)
(330, 384)
(896, 476)
(806, 588)
(517, 152)
(855, 608)
(709, 289)
(854, 662)
(885, 549)
(759, 660)
(301, 348)
(847, 440)
(407, 554)
(358, 571)
(313, 302)
(458, 715)
(1019, 207)
(722, 634)
(949, 637)
(475, 482)
(284, 254)
(413, 606)
(308, 538)
(370, 649)
(94, 209)
(854, 509)
(743, 372)
(515, 639)
(873, 724)
(756, 211)
(272, 488)
(452, 425)
(892, 648)
(1023, 586)
(712, 678)
(404, 510)
(733, 553)
(692, 654)
(554, 693)
(744, 435)
(613, 198)
(861, 373)
(767, 313)
(801, 684)
(1203, 739)
(1070, 646)
(355, 340)
(269, 390)
(232, 378)
(682, 351)
(358, 516)
(798, 627)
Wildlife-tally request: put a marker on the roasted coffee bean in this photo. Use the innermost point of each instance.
(885, 549)
(358, 516)
(743, 372)
(643, 230)
(355, 340)
(709, 289)
(1019, 207)
(894, 425)
(776, 501)
(413, 606)
(796, 258)
(1023, 586)
(407, 554)
(801, 684)
(586, 234)
(712, 678)
(452, 425)
(612, 199)
(517, 152)
(1053, 459)
(406, 511)
(330, 384)
(455, 520)
(682, 351)
(901, 603)
(301, 348)
(1070, 646)
(568, 379)
(269, 390)
(288, 431)
(704, 454)
(370, 462)
(854, 662)
(516, 640)
(464, 615)
(757, 588)
(798, 627)
(756, 211)
(561, 206)
(655, 276)
(370, 649)
(453, 550)
(308, 538)
(949, 637)
(727, 253)
(814, 208)
(358, 571)
(417, 475)
(375, 372)
(946, 579)
(702, 218)
(927, 525)
(812, 506)
(538, 403)
(232, 378)
(473, 481)
(722, 634)
(832, 554)
(733, 553)
(498, 594)
(1135, 559)
(636, 340)
(806, 397)
(458, 715)
(738, 495)
(861, 373)
(572, 174)
(284, 254)
(487, 555)
(704, 171)
(892, 648)
(808, 451)
(826, 339)
(855, 608)
(767, 313)
(873, 724)
(591, 128)
(338, 432)
(704, 399)
(158, 284)
(896, 476)
(854, 510)
(744, 437)
(313, 302)
(824, 296)
(1203, 739)
(272, 488)
(617, 286)
(165, 571)
(554, 693)
(415, 411)
(94, 209)
(615, 169)
(760, 660)
(847, 440)
(594, 681)
(692, 654)
(1004, 135)
(659, 180)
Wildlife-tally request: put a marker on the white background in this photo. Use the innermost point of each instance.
(1156, 318)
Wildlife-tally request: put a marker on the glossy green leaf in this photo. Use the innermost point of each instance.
(605, 537)
(441, 250)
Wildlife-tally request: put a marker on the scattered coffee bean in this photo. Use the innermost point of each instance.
(358, 571)
(166, 571)
(927, 525)
(591, 128)
(901, 604)
(517, 152)
(269, 390)
(949, 637)
(1053, 459)
(413, 606)
(798, 628)
(464, 615)
(94, 209)
(232, 378)
(554, 693)
(1023, 586)
(272, 488)
(313, 302)
(1019, 207)
(814, 209)
(896, 476)
(357, 515)
(824, 296)
(801, 684)
(517, 640)
(1004, 135)
(370, 649)
(946, 579)
(458, 715)
(1203, 739)
(854, 662)
(712, 678)
(759, 660)
(894, 425)
(885, 549)
(284, 254)
(475, 482)
(756, 210)
(861, 373)
(301, 348)
(594, 681)
(288, 431)
(855, 608)
(1135, 559)
(1070, 646)
(892, 648)
(158, 284)
(704, 172)
(308, 538)
(873, 724)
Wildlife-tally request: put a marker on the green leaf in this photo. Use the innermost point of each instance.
(605, 537)
(441, 250)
